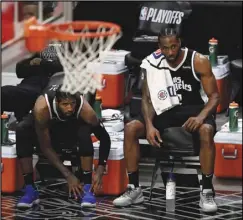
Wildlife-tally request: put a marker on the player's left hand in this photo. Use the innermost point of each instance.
(193, 124)
(97, 179)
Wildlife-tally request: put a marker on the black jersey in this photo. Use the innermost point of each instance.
(187, 81)
(50, 97)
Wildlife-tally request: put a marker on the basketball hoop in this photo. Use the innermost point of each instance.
(78, 45)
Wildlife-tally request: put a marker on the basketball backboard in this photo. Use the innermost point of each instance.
(13, 49)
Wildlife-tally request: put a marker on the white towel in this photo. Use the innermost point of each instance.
(161, 87)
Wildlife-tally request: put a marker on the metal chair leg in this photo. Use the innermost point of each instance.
(154, 177)
(40, 173)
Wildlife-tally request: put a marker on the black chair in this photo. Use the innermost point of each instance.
(179, 147)
(145, 37)
(68, 157)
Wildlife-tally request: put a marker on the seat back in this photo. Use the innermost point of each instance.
(134, 87)
(155, 16)
(55, 79)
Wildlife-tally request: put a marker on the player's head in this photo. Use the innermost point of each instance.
(66, 102)
(170, 44)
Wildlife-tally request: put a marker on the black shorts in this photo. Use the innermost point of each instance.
(177, 116)
(63, 134)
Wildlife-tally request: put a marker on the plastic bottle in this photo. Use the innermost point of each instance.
(4, 129)
(233, 116)
(170, 193)
(213, 51)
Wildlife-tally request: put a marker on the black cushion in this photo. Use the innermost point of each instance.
(177, 141)
(56, 79)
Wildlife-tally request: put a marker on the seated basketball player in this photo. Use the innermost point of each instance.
(35, 72)
(188, 70)
(62, 120)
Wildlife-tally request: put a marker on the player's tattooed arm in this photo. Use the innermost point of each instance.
(152, 134)
(147, 107)
(42, 117)
(89, 116)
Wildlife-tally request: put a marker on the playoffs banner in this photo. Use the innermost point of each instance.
(155, 16)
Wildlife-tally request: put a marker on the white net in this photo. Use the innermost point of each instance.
(79, 57)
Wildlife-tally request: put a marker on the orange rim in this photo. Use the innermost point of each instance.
(57, 31)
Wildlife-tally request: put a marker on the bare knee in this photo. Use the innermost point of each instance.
(134, 130)
(206, 133)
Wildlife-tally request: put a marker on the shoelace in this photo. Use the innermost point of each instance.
(209, 198)
(25, 189)
(128, 192)
(88, 193)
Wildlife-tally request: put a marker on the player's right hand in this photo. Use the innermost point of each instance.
(35, 61)
(74, 186)
(152, 135)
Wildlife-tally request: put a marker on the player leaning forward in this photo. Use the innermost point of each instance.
(62, 120)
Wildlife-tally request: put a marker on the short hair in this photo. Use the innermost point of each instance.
(168, 32)
(60, 95)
